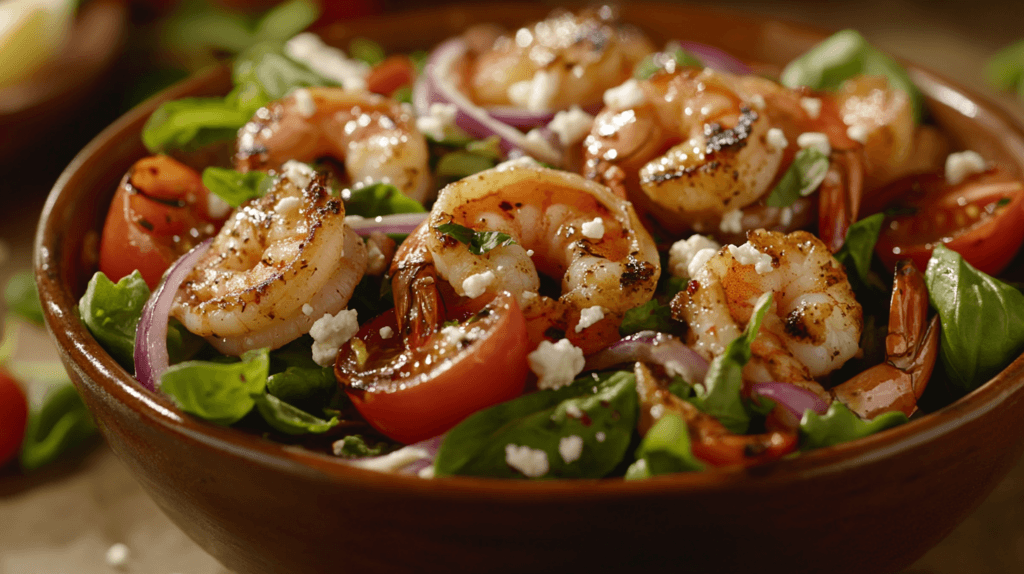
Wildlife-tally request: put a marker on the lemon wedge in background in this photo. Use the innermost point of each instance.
(32, 32)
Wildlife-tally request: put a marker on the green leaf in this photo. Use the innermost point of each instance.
(843, 55)
(380, 199)
(859, 247)
(670, 58)
(459, 164)
(310, 389)
(191, 123)
(355, 446)
(218, 392)
(1005, 70)
(197, 27)
(112, 310)
(22, 298)
(804, 176)
(290, 419)
(665, 449)
(651, 316)
(719, 395)
(236, 188)
(263, 73)
(982, 319)
(488, 147)
(605, 407)
(366, 50)
(61, 424)
(479, 242)
(287, 19)
(840, 425)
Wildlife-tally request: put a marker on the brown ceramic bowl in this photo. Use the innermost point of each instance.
(874, 505)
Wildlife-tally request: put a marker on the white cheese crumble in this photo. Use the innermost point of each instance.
(439, 122)
(589, 316)
(287, 205)
(786, 216)
(426, 472)
(857, 133)
(307, 309)
(757, 100)
(683, 252)
(700, 259)
(376, 262)
(304, 102)
(573, 411)
(217, 207)
(962, 164)
(776, 139)
(392, 462)
(298, 173)
(556, 364)
(628, 95)
(816, 140)
(536, 93)
(529, 252)
(600, 436)
(571, 126)
(330, 332)
(812, 106)
(521, 161)
(331, 63)
(475, 285)
(570, 447)
(747, 254)
(453, 336)
(732, 222)
(532, 462)
(386, 332)
(117, 555)
(593, 229)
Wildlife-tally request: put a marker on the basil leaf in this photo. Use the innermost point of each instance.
(651, 316)
(112, 310)
(859, 247)
(459, 164)
(355, 446)
(1005, 70)
(804, 176)
(607, 409)
(843, 55)
(665, 449)
(287, 19)
(290, 419)
(218, 392)
(380, 199)
(668, 60)
(982, 319)
(839, 425)
(191, 123)
(236, 188)
(489, 147)
(307, 388)
(22, 298)
(263, 73)
(61, 424)
(366, 50)
(719, 394)
(479, 242)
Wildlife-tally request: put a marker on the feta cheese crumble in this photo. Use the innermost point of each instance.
(475, 285)
(298, 173)
(628, 95)
(573, 411)
(215, 206)
(593, 229)
(683, 252)
(330, 332)
(732, 222)
(812, 106)
(556, 364)
(117, 555)
(532, 462)
(571, 126)
(287, 205)
(816, 140)
(589, 316)
(747, 254)
(536, 93)
(757, 100)
(307, 309)
(857, 133)
(439, 122)
(600, 436)
(963, 164)
(776, 139)
(570, 447)
(304, 102)
(307, 48)
(386, 332)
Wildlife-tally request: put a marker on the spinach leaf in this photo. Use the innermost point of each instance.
(112, 310)
(263, 73)
(859, 247)
(192, 123)
(840, 425)
(366, 50)
(355, 446)
(287, 19)
(218, 392)
(290, 419)
(670, 59)
(236, 188)
(1005, 70)
(61, 424)
(22, 298)
(380, 199)
(665, 449)
(843, 55)
(479, 242)
(651, 316)
(459, 164)
(804, 176)
(592, 419)
(982, 319)
(307, 388)
(719, 394)
(489, 147)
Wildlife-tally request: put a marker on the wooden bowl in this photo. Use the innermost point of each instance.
(873, 505)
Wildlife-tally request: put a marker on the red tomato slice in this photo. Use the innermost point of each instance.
(982, 219)
(393, 73)
(159, 212)
(414, 394)
(13, 417)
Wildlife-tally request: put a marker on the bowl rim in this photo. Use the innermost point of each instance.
(79, 348)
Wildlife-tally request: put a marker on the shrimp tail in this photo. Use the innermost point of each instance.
(419, 306)
(839, 197)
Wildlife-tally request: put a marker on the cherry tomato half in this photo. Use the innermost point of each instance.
(981, 218)
(393, 73)
(13, 417)
(412, 394)
(159, 212)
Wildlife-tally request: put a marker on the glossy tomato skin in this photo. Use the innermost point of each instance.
(393, 73)
(13, 417)
(982, 219)
(161, 210)
(411, 395)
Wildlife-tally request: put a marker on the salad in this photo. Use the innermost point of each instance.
(558, 252)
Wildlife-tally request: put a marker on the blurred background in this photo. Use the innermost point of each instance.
(69, 68)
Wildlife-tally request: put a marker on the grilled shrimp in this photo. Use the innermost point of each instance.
(563, 60)
(375, 138)
(279, 263)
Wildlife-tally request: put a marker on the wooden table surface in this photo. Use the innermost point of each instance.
(64, 518)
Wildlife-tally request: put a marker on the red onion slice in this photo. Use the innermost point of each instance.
(525, 119)
(438, 88)
(652, 347)
(400, 223)
(714, 58)
(151, 358)
(795, 399)
(410, 459)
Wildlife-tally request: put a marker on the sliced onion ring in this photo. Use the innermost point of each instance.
(795, 399)
(400, 223)
(151, 359)
(714, 58)
(410, 459)
(652, 347)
